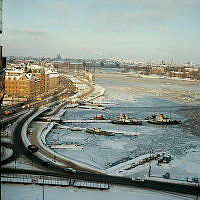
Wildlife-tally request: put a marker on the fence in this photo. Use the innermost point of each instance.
(53, 181)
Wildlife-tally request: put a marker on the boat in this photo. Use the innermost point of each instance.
(123, 119)
(98, 131)
(99, 117)
(162, 119)
(76, 128)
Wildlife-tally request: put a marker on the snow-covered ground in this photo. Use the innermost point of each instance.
(34, 192)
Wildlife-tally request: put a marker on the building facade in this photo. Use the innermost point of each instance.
(25, 86)
(29, 81)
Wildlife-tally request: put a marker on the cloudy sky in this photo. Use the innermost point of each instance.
(129, 29)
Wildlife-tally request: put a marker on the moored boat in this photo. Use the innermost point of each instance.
(123, 119)
(98, 131)
(99, 117)
(162, 120)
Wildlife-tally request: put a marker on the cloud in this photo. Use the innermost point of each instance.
(57, 5)
(99, 53)
(32, 32)
(117, 12)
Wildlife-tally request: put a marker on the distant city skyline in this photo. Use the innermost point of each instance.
(130, 29)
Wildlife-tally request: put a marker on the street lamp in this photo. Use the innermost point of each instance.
(149, 173)
(43, 189)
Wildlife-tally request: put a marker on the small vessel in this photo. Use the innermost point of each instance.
(98, 131)
(123, 119)
(76, 129)
(161, 119)
(99, 117)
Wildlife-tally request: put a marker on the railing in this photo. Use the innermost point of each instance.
(53, 181)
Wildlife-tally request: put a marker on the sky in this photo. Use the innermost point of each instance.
(149, 30)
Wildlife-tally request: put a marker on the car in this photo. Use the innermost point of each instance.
(47, 163)
(166, 175)
(138, 179)
(33, 148)
(9, 112)
(70, 170)
(29, 131)
(196, 180)
(189, 179)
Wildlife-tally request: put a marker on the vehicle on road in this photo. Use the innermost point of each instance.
(166, 175)
(138, 179)
(70, 170)
(193, 179)
(47, 163)
(9, 112)
(33, 148)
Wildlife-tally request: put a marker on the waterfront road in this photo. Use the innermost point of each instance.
(52, 169)
(20, 148)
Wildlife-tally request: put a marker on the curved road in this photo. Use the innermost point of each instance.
(12, 157)
(19, 148)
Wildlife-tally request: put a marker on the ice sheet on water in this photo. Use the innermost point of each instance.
(106, 150)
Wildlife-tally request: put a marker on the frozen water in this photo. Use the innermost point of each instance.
(107, 151)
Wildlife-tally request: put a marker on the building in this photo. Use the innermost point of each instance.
(24, 86)
(39, 72)
(72, 68)
(53, 79)
(26, 81)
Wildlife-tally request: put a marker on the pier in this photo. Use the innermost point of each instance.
(85, 121)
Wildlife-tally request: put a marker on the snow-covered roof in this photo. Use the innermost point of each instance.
(35, 67)
(74, 80)
(28, 76)
(53, 75)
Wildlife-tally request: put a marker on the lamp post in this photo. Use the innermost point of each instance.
(149, 173)
(43, 189)
(15, 164)
(54, 157)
